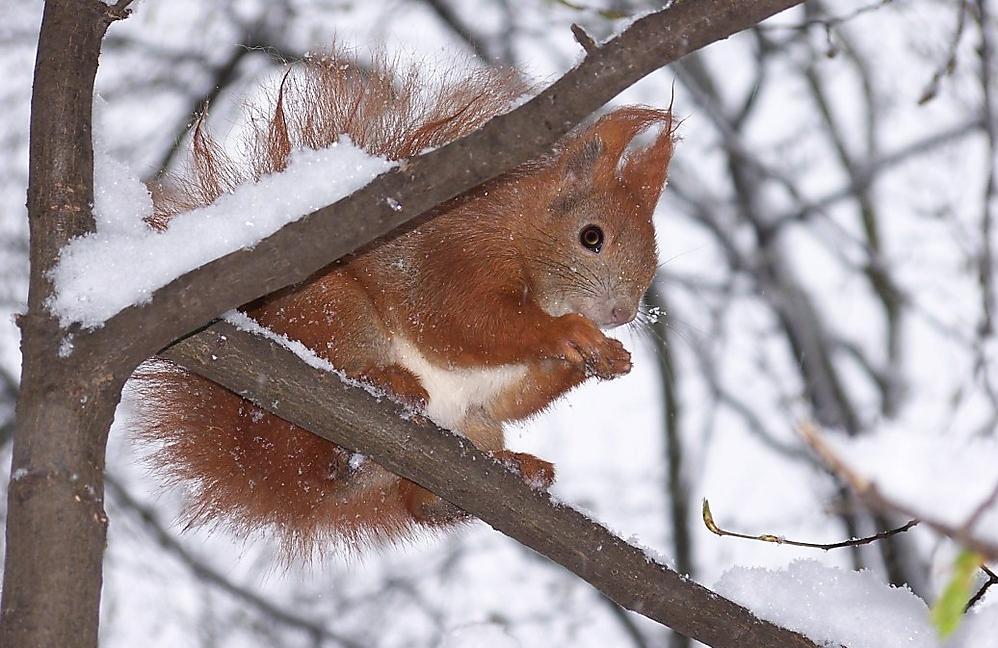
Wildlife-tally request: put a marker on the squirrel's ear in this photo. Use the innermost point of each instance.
(579, 161)
(602, 155)
(644, 170)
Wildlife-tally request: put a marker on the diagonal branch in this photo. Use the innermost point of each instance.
(301, 248)
(453, 468)
(871, 495)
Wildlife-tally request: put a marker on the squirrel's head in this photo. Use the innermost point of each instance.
(592, 246)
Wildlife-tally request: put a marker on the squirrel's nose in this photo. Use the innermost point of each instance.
(622, 313)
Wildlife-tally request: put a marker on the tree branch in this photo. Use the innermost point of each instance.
(301, 248)
(452, 467)
(867, 491)
(56, 525)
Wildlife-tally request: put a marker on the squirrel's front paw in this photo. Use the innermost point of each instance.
(581, 342)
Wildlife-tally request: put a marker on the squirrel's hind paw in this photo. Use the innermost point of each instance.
(538, 474)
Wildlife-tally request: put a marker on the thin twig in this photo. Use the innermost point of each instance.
(867, 491)
(949, 64)
(985, 261)
(830, 21)
(992, 579)
(708, 520)
(584, 39)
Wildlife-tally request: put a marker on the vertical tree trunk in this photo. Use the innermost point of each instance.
(676, 494)
(51, 594)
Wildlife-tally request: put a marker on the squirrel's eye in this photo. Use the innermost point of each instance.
(591, 238)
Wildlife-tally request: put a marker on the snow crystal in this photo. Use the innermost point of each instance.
(832, 605)
(652, 556)
(357, 460)
(124, 261)
(66, 346)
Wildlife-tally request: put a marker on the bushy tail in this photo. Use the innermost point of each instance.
(385, 108)
(247, 469)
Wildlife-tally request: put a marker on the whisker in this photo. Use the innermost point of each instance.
(681, 254)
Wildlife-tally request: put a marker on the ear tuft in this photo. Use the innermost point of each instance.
(580, 162)
(601, 155)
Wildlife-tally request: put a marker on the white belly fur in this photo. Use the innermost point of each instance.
(453, 391)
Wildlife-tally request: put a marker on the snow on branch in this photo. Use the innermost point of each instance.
(125, 261)
(266, 372)
(300, 248)
(837, 607)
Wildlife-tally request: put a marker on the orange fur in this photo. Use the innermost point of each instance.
(484, 314)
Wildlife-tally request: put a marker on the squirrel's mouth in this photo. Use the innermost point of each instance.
(606, 313)
(609, 315)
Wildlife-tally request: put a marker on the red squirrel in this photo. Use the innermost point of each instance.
(485, 313)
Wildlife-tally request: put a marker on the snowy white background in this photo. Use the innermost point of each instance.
(740, 386)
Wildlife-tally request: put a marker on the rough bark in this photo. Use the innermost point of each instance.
(55, 516)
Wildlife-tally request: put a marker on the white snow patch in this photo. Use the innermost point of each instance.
(977, 629)
(124, 261)
(66, 346)
(832, 606)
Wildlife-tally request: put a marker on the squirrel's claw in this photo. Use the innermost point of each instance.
(582, 343)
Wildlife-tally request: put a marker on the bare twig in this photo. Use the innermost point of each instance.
(584, 39)
(868, 492)
(985, 261)
(708, 520)
(676, 495)
(827, 22)
(991, 580)
(949, 63)
(981, 509)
